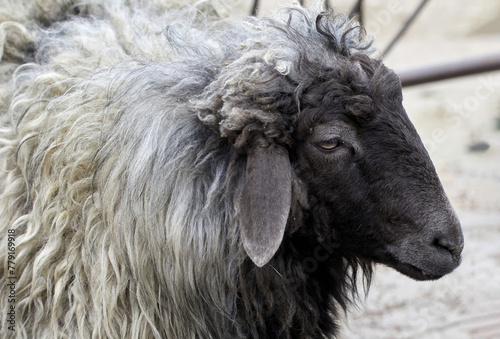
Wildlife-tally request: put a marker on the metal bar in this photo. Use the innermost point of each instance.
(450, 70)
(253, 12)
(404, 28)
(357, 10)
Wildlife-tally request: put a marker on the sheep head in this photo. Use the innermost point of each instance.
(330, 151)
(368, 175)
(370, 183)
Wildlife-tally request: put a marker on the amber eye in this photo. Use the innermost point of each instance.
(330, 144)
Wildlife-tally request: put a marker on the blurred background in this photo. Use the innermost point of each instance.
(459, 122)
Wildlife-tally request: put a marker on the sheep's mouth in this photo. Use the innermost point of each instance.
(410, 270)
(414, 272)
(421, 262)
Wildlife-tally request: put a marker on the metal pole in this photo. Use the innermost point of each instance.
(405, 26)
(358, 10)
(450, 70)
(254, 8)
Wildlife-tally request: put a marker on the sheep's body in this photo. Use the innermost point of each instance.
(120, 176)
(89, 259)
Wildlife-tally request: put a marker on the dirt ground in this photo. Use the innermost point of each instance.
(459, 122)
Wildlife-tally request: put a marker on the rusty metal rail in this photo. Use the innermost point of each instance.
(450, 70)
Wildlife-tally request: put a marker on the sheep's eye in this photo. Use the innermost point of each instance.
(330, 144)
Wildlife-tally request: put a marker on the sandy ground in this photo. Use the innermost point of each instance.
(452, 117)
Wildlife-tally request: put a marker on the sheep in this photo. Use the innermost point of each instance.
(224, 179)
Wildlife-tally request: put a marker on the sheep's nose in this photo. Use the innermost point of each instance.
(453, 245)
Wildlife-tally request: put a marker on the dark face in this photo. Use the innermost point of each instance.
(368, 174)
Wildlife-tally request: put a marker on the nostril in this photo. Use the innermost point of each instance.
(454, 248)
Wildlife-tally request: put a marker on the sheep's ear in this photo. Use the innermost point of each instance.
(265, 202)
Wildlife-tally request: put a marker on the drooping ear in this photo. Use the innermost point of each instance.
(265, 203)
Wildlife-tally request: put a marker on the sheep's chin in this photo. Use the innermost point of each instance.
(414, 272)
(418, 273)
(420, 262)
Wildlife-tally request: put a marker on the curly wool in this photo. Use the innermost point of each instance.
(120, 172)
